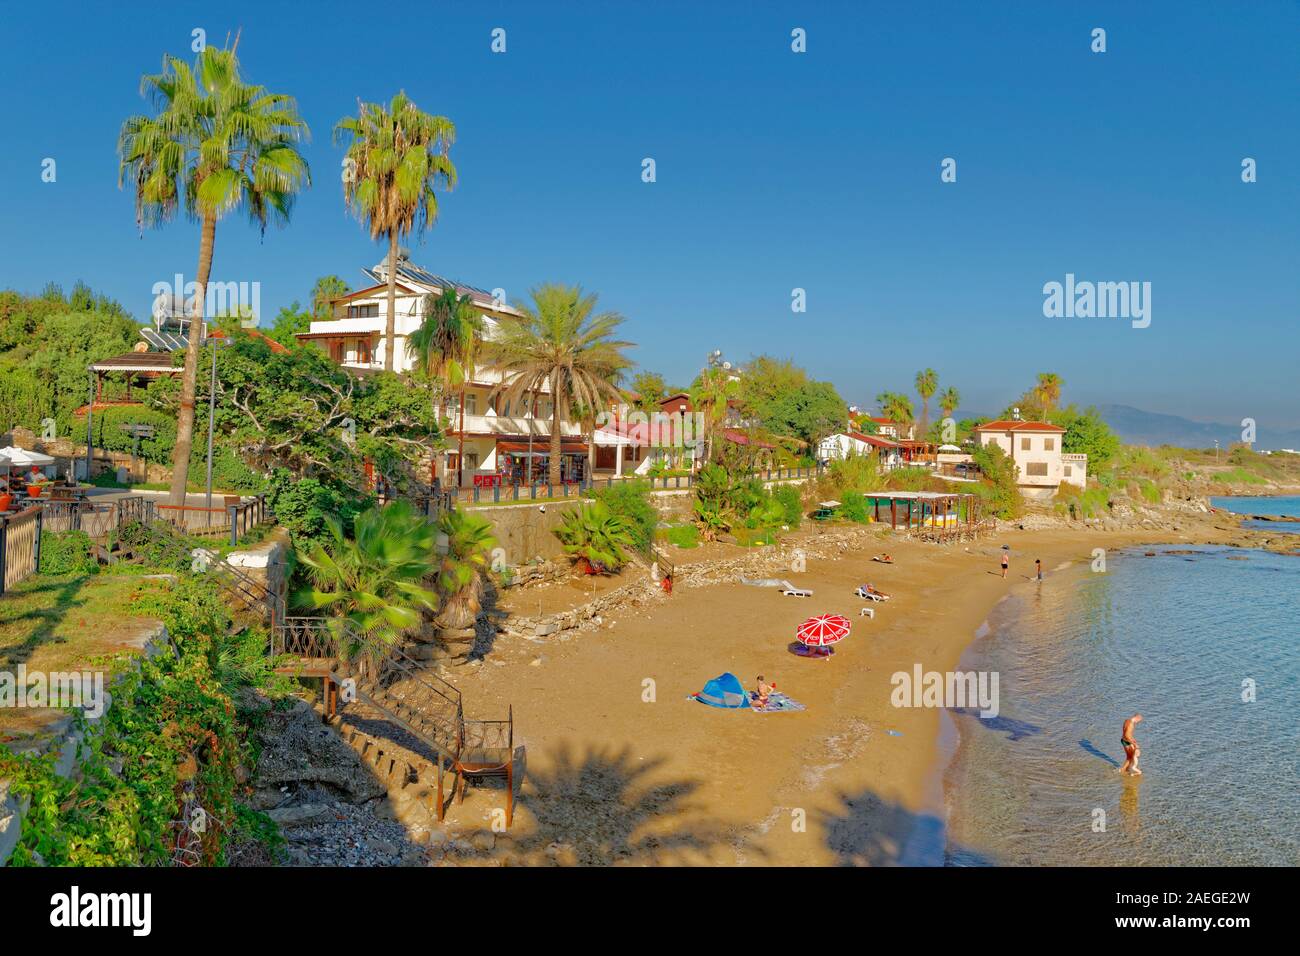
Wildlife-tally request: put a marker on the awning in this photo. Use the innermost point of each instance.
(542, 446)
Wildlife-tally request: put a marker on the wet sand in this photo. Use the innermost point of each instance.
(622, 768)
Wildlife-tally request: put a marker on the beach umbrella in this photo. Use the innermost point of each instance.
(823, 630)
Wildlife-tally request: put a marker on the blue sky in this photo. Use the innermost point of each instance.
(775, 170)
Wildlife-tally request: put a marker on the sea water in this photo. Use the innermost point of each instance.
(1206, 646)
(1288, 506)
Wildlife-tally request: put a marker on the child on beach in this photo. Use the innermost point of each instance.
(1038, 568)
(1131, 749)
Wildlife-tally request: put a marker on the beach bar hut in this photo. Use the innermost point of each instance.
(940, 514)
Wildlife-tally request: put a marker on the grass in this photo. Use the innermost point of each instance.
(60, 623)
(681, 535)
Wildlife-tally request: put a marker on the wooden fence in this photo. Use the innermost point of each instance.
(20, 546)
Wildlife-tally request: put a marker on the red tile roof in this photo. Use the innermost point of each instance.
(875, 440)
(1016, 425)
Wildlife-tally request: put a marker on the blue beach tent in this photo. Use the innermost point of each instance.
(724, 691)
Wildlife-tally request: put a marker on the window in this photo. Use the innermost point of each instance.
(1049, 444)
(471, 403)
(1036, 469)
(1025, 443)
(363, 311)
(1068, 472)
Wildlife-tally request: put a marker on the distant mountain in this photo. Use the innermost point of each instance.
(1137, 427)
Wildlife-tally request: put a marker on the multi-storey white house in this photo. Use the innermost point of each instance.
(1035, 448)
(503, 442)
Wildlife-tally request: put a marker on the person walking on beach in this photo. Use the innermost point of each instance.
(1006, 563)
(1131, 749)
(1038, 568)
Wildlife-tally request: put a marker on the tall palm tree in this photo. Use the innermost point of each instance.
(444, 349)
(372, 585)
(215, 144)
(710, 394)
(949, 399)
(1048, 391)
(926, 383)
(397, 157)
(563, 344)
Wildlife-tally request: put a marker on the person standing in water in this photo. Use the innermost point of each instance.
(1038, 567)
(1006, 563)
(1131, 749)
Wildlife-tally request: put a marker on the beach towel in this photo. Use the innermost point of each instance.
(777, 703)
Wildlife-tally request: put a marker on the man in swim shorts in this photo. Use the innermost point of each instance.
(1006, 561)
(1131, 749)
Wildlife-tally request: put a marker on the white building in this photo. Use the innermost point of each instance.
(502, 442)
(1036, 450)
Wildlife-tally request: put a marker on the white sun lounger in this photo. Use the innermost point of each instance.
(862, 592)
(796, 592)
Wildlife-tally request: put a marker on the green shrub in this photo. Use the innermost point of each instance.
(631, 499)
(594, 534)
(999, 488)
(788, 497)
(856, 507)
(68, 552)
(302, 506)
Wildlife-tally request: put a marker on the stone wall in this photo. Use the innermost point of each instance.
(526, 531)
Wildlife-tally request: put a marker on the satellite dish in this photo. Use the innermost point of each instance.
(1015, 413)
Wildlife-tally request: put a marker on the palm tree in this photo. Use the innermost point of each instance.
(926, 383)
(710, 394)
(896, 407)
(215, 144)
(444, 348)
(1048, 391)
(949, 399)
(465, 543)
(326, 289)
(373, 583)
(397, 157)
(561, 343)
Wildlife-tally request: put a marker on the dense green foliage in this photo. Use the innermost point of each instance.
(173, 734)
(631, 499)
(1000, 487)
(597, 537)
(67, 552)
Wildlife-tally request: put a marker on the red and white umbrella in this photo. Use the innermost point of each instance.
(823, 630)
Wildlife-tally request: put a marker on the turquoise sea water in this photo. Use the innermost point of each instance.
(1286, 506)
(1173, 636)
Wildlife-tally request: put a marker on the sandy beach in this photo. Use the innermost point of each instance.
(623, 768)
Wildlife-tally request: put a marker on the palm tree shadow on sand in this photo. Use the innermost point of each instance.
(601, 804)
(868, 830)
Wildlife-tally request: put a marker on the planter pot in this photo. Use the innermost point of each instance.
(5, 501)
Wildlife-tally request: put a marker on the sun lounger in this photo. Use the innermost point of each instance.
(863, 593)
(796, 592)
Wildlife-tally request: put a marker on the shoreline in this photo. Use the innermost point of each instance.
(623, 768)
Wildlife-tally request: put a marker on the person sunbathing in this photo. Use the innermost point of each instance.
(872, 589)
(884, 558)
(764, 693)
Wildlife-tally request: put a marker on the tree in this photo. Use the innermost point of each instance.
(949, 399)
(445, 347)
(768, 380)
(809, 412)
(563, 344)
(650, 389)
(465, 544)
(712, 390)
(896, 407)
(1000, 487)
(398, 156)
(1086, 433)
(326, 289)
(216, 144)
(288, 322)
(372, 585)
(1048, 391)
(926, 383)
